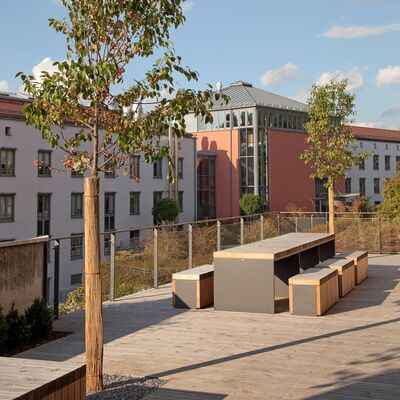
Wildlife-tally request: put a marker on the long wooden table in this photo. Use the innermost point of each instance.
(252, 277)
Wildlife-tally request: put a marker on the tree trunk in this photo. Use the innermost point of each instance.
(331, 208)
(93, 307)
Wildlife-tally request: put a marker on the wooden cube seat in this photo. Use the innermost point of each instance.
(313, 291)
(346, 274)
(360, 259)
(193, 288)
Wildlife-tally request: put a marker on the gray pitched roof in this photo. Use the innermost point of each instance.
(243, 94)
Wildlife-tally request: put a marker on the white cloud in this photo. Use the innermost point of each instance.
(357, 31)
(372, 124)
(4, 87)
(46, 65)
(278, 75)
(354, 77)
(388, 76)
(391, 112)
(187, 5)
(302, 96)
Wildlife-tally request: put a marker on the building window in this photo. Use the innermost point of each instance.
(76, 205)
(76, 279)
(76, 252)
(157, 169)
(134, 169)
(7, 130)
(397, 163)
(44, 163)
(376, 186)
(7, 207)
(180, 201)
(376, 162)
(134, 203)
(109, 169)
(361, 166)
(375, 146)
(109, 211)
(43, 214)
(362, 186)
(76, 174)
(347, 185)
(361, 145)
(156, 196)
(387, 163)
(7, 162)
(180, 168)
(134, 238)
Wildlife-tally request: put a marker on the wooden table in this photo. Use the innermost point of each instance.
(254, 277)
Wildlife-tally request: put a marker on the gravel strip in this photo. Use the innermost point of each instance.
(126, 387)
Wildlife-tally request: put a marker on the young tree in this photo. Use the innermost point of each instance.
(331, 142)
(250, 203)
(391, 198)
(102, 38)
(165, 210)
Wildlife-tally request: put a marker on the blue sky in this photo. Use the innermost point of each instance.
(281, 46)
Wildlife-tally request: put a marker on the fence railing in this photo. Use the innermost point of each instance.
(137, 259)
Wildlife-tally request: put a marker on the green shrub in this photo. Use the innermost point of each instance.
(40, 318)
(125, 289)
(250, 203)
(165, 210)
(18, 331)
(3, 329)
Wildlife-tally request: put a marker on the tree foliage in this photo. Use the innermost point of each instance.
(331, 142)
(250, 203)
(391, 198)
(165, 210)
(102, 38)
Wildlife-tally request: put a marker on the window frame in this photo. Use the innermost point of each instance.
(44, 171)
(79, 256)
(180, 167)
(131, 211)
(11, 218)
(157, 174)
(75, 215)
(12, 151)
(135, 165)
(109, 217)
(375, 162)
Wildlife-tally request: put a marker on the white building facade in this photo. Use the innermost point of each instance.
(48, 201)
(368, 178)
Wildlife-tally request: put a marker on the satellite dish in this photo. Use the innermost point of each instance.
(219, 87)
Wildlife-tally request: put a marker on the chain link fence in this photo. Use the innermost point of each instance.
(139, 259)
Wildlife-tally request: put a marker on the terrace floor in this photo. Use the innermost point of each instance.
(353, 352)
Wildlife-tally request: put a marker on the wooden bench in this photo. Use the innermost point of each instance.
(313, 292)
(193, 288)
(360, 259)
(26, 379)
(346, 274)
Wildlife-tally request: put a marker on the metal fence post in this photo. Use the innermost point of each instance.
(218, 235)
(296, 223)
(112, 266)
(190, 245)
(261, 227)
(241, 231)
(279, 224)
(155, 257)
(56, 294)
(312, 221)
(379, 236)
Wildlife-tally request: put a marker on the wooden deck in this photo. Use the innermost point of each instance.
(353, 352)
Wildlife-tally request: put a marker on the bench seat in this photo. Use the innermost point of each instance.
(346, 274)
(313, 291)
(193, 288)
(360, 259)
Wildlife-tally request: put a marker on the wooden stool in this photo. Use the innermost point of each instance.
(313, 292)
(193, 288)
(360, 259)
(346, 274)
